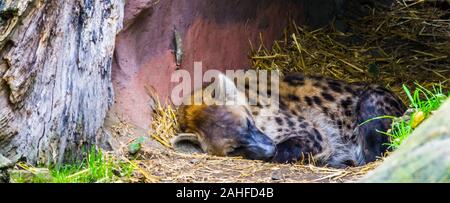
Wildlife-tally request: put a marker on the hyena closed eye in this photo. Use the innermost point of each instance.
(317, 120)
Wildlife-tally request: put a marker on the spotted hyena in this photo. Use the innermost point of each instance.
(317, 121)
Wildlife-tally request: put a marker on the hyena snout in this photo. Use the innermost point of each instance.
(256, 145)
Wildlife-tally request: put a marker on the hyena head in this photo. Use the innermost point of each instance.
(225, 129)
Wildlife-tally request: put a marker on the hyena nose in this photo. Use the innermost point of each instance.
(269, 151)
(260, 145)
(260, 151)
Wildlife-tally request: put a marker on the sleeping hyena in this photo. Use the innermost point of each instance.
(316, 120)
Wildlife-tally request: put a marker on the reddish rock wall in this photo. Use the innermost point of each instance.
(214, 32)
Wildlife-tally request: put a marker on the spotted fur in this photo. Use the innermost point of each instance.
(317, 121)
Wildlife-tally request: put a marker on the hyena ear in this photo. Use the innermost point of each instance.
(187, 143)
(228, 90)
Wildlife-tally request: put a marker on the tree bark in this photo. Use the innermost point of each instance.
(55, 76)
(423, 157)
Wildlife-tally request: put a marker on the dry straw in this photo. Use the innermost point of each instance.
(401, 44)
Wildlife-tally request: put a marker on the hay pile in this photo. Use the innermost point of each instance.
(169, 166)
(164, 124)
(401, 44)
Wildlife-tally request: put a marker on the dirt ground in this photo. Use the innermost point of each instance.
(168, 166)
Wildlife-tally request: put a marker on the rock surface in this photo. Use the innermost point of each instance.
(5, 163)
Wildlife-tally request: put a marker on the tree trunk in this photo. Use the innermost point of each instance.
(423, 157)
(55, 75)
